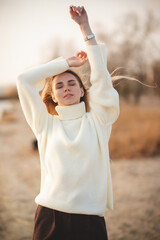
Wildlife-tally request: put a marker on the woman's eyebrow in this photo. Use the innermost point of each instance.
(71, 80)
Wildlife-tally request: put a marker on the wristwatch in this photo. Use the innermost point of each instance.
(90, 36)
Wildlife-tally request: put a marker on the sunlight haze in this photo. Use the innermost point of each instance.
(30, 30)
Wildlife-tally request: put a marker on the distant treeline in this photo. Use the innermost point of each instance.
(134, 47)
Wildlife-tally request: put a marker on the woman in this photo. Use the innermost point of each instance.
(76, 187)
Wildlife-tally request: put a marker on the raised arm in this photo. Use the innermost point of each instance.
(27, 84)
(79, 15)
(104, 99)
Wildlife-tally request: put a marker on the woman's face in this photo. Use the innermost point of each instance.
(66, 90)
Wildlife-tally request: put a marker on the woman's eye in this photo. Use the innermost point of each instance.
(59, 87)
(71, 84)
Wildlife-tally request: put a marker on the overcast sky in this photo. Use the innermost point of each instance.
(29, 29)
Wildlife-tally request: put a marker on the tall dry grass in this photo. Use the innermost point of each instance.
(137, 130)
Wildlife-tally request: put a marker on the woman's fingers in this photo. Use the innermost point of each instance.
(78, 14)
(82, 55)
(72, 10)
(77, 10)
(78, 60)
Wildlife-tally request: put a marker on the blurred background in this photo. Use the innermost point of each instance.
(37, 31)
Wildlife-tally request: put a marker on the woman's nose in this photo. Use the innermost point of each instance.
(66, 88)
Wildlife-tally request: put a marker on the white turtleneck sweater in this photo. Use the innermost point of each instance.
(73, 145)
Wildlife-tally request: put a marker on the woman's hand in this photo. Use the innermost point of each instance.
(78, 14)
(78, 60)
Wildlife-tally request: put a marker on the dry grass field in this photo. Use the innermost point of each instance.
(135, 165)
(137, 130)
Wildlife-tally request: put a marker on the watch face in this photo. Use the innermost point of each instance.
(89, 37)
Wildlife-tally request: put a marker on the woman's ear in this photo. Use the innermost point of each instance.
(54, 99)
(82, 92)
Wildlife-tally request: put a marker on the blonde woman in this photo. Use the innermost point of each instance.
(72, 126)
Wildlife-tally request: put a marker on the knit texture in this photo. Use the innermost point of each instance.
(73, 145)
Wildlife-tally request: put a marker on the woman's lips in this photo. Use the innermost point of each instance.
(68, 95)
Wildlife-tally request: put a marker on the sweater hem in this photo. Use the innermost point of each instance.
(68, 210)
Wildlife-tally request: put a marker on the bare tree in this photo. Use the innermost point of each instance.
(134, 47)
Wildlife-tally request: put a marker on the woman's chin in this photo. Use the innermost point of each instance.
(69, 102)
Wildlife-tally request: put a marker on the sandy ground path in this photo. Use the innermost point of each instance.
(136, 214)
(136, 187)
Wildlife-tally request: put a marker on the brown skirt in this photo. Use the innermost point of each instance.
(51, 224)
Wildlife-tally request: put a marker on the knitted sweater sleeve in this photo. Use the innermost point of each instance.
(104, 99)
(28, 84)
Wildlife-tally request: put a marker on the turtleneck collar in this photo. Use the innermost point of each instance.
(71, 111)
